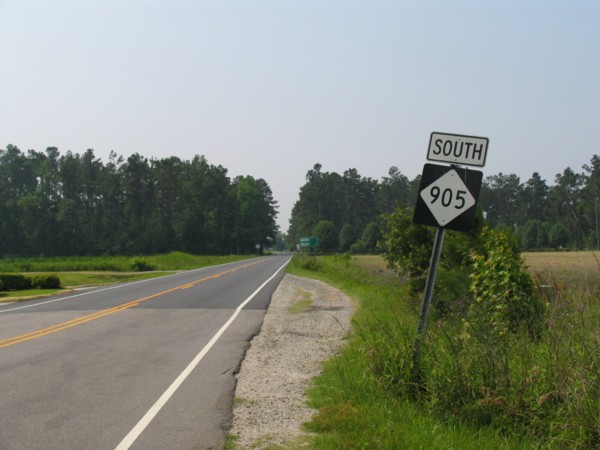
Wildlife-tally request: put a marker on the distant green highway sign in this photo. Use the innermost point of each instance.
(310, 241)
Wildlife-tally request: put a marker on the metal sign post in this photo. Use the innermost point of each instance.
(438, 243)
(447, 200)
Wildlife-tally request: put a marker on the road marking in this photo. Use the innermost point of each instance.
(63, 326)
(138, 429)
(105, 312)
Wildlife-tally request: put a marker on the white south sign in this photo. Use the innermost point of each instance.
(447, 197)
(458, 149)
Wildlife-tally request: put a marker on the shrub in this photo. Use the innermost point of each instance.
(408, 251)
(46, 282)
(141, 265)
(311, 264)
(503, 291)
(408, 247)
(486, 365)
(15, 282)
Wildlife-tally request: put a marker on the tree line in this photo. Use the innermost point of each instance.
(345, 211)
(55, 204)
(348, 212)
(562, 215)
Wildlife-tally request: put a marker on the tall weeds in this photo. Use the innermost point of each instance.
(365, 397)
(521, 357)
(535, 380)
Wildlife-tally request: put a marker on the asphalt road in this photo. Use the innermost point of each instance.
(145, 365)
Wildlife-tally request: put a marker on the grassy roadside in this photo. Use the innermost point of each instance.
(78, 272)
(356, 409)
(162, 262)
(75, 280)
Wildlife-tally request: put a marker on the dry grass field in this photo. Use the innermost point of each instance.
(588, 261)
(570, 269)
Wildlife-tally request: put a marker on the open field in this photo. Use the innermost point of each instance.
(168, 261)
(588, 261)
(571, 270)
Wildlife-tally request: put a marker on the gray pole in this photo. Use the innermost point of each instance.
(597, 235)
(433, 266)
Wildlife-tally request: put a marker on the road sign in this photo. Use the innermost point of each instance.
(458, 149)
(447, 200)
(448, 197)
(310, 241)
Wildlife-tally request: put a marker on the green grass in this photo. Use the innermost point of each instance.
(477, 389)
(75, 272)
(355, 411)
(303, 302)
(79, 279)
(357, 407)
(27, 294)
(163, 262)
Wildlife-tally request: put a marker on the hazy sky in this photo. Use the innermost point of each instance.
(269, 88)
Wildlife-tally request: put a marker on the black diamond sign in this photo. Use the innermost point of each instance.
(448, 197)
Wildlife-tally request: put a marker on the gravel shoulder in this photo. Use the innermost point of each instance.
(305, 325)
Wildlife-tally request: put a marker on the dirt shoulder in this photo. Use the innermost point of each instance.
(305, 325)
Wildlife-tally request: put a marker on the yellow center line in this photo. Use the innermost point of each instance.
(106, 312)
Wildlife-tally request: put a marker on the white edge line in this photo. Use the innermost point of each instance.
(164, 398)
(114, 287)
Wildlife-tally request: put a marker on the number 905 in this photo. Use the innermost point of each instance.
(448, 197)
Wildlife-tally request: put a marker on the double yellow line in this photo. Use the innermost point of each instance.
(107, 312)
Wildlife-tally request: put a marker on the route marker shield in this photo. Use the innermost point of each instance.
(448, 197)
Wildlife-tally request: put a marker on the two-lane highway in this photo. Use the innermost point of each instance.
(146, 365)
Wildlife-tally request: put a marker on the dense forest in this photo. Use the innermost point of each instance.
(56, 204)
(345, 211)
(348, 211)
